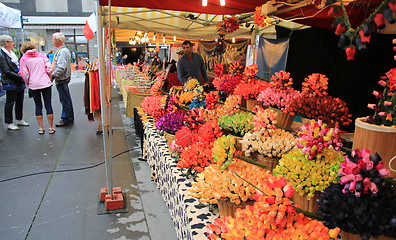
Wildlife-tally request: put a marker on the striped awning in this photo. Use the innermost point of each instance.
(53, 26)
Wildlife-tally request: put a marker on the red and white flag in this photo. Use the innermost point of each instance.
(90, 27)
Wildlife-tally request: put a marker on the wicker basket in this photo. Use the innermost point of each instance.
(270, 162)
(228, 209)
(305, 204)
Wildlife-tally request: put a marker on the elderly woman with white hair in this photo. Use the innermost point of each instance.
(12, 82)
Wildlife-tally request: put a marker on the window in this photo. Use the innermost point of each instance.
(78, 46)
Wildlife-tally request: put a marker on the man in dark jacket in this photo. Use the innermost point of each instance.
(191, 65)
(62, 76)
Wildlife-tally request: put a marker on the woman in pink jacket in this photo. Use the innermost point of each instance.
(36, 70)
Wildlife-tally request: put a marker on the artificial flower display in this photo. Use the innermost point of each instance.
(196, 152)
(235, 68)
(250, 89)
(159, 82)
(153, 106)
(211, 100)
(250, 73)
(194, 118)
(191, 84)
(385, 108)
(261, 20)
(214, 183)
(170, 122)
(224, 151)
(315, 85)
(361, 202)
(230, 106)
(271, 217)
(361, 173)
(314, 102)
(279, 94)
(274, 144)
(227, 25)
(226, 83)
(314, 136)
(199, 97)
(264, 120)
(238, 123)
(186, 98)
(309, 176)
(218, 69)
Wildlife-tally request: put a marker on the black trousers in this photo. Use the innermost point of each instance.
(11, 98)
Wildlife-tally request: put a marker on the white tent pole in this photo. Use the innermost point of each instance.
(103, 94)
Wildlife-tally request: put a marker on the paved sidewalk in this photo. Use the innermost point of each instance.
(63, 205)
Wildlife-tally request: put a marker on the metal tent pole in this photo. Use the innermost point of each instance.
(110, 112)
(103, 97)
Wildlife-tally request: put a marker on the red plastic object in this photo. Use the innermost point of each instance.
(103, 192)
(116, 203)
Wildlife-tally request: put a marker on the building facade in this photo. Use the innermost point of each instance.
(42, 18)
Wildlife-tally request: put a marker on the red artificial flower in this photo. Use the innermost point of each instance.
(379, 20)
(350, 52)
(363, 37)
(340, 29)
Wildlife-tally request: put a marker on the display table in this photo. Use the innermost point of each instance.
(189, 217)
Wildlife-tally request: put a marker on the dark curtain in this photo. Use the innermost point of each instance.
(315, 51)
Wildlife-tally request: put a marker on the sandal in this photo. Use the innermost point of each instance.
(51, 130)
(41, 131)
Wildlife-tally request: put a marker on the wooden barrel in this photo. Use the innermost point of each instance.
(283, 120)
(251, 103)
(228, 209)
(305, 204)
(351, 236)
(270, 162)
(380, 139)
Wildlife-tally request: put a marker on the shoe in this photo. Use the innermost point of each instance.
(61, 124)
(22, 123)
(41, 131)
(12, 126)
(51, 130)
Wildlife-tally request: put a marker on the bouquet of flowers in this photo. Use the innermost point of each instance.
(211, 100)
(279, 94)
(386, 106)
(309, 176)
(314, 102)
(159, 82)
(170, 122)
(224, 151)
(361, 202)
(215, 184)
(271, 217)
(227, 25)
(194, 118)
(238, 123)
(199, 97)
(196, 151)
(226, 83)
(315, 136)
(274, 144)
(264, 120)
(251, 89)
(154, 106)
(259, 19)
(230, 106)
(190, 85)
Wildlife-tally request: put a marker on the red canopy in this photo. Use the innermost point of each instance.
(232, 6)
(357, 10)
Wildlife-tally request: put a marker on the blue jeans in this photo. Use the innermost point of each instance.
(36, 94)
(66, 101)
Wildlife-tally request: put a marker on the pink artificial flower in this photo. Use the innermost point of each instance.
(372, 106)
(387, 103)
(376, 94)
(382, 83)
(382, 114)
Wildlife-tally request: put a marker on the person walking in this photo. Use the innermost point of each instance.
(191, 65)
(12, 82)
(62, 76)
(36, 71)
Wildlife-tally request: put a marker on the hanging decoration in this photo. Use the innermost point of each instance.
(352, 39)
(261, 20)
(227, 25)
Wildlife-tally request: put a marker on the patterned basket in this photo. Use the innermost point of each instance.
(228, 209)
(169, 138)
(305, 204)
(270, 162)
(283, 120)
